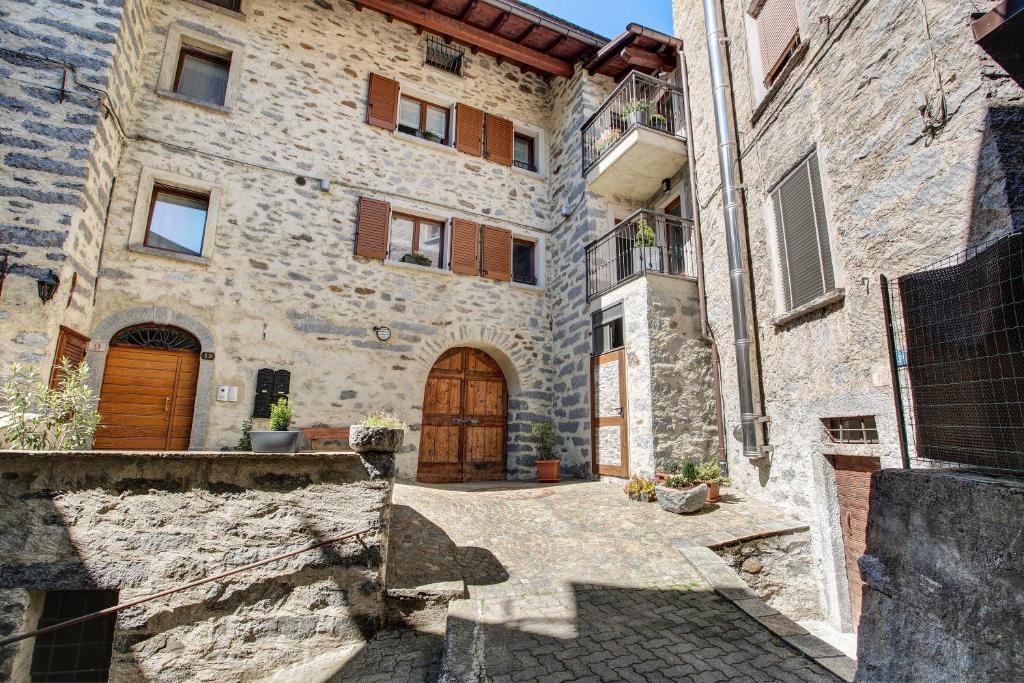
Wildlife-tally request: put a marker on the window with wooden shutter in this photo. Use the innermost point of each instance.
(777, 33)
(70, 345)
(383, 102)
(496, 253)
(465, 247)
(498, 133)
(469, 129)
(802, 233)
(372, 228)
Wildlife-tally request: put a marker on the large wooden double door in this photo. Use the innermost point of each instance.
(147, 399)
(465, 419)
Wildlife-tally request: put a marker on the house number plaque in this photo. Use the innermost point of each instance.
(207, 355)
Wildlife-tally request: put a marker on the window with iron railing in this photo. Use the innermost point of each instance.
(639, 101)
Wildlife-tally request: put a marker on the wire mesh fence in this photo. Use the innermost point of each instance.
(956, 347)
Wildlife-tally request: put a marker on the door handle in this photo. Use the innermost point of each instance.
(619, 411)
(167, 404)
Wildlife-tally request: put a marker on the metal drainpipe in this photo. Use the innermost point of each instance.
(728, 164)
(698, 245)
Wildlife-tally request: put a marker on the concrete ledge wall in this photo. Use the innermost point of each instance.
(144, 522)
(945, 570)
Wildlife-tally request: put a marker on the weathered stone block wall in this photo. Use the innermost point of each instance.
(945, 578)
(896, 200)
(143, 523)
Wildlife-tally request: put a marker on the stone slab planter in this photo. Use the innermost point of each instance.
(682, 501)
(547, 471)
(363, 439)
(274, 442)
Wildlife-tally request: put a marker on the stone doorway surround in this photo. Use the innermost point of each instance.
(159, 315)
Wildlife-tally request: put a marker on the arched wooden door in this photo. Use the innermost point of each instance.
(149, 390)
(465, 419)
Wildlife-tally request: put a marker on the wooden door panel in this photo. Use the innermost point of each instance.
(485, 398)
(853, 488)
(609, 435)
(440, 444)
(443, 396)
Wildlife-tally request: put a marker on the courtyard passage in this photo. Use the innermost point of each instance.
(569, 582)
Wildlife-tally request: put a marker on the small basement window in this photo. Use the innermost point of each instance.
(420, 241)
(609, 333)
(75, 653)
(423, 119)
(525, 152)
(524, 261)
(443, 56)
(202, 75)
(233, 5)
(177, 220)
(851, 430)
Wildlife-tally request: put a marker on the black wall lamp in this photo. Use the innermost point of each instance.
(48, 284)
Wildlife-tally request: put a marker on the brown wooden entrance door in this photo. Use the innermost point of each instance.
(147, 399)
(465, 419)
(853, 484)
(608, 407)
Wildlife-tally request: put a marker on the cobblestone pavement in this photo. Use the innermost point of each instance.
(571, 582)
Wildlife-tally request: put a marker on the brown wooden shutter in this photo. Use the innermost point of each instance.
(465, 247)
(469, 129)
(383, 102)
(498, 132)
(70, 345)
(496, 253)
(777, 32)
(372, 228)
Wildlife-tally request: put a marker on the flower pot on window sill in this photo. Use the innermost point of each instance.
(274, 442)
(647, 258)
(548, 471)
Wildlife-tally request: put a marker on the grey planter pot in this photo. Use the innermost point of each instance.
(682, 501)
(363, 439)
(274, 442)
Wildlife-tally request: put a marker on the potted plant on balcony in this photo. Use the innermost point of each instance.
(710, 473)
(377, 433)
(545, 438)
(646, 253)
(606, 139)
(636, 112)
(682, 493)
(279, 439)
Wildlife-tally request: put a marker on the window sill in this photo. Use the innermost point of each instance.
(426, 143)
(171, 95)
(536, 175)
(532, 289)
(426, 270)
(823, 301)
(218, 9)
(862, 450)
(773, 92)
(163, 253)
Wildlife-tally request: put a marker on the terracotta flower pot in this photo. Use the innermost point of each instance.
(661, 477)
(714, 490)
(547, 470)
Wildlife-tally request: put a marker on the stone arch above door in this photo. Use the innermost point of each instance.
(159, 315)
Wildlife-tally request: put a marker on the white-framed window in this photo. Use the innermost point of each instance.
(528, 147)
(200, 69)
(175, 216)
(796, 213)
(426, 116)
(418, 240)
(527, 259)
(773, 34)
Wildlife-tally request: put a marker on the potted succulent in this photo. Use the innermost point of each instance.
(710, 473)
(636, 111)
(641, 488)
(682, 493)
(545, 437)
(377, 433)
(646, 253)
(279, 439)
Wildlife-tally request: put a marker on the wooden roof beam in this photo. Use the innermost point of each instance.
(558, 41)
(469, 9)
(646, 60)
(441, 24)
(499, 23)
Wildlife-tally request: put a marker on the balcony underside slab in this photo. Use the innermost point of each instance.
(636, 165)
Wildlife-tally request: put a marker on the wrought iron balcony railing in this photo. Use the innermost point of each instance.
(644, 242)
(640, 100)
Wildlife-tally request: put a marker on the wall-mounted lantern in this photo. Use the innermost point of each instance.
(48, 284)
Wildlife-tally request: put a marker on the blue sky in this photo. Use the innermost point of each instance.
(610, 18)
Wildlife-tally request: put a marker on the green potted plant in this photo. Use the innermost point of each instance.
(606, 139)
(416, 259)
(636, 111)
(641, 488)
(34, 417)
(710, 472)
(377, 433)
(646, 253)
(682, 493)
(545, 438)
(280, 438)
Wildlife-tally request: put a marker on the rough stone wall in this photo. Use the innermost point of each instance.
(143, 523)
(781, 570)
(945, 578)
(896, 200)
(67, 72)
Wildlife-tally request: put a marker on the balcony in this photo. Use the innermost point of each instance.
(646, 242)
(635, 139)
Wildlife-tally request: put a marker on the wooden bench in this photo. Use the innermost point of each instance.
(317, 434)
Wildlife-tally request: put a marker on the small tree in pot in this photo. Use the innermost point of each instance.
(646, 253)
(710, 473)
(280, 438)
(377, 433)
(545, 438)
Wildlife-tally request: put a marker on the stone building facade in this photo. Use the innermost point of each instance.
(95, 124)
(912, 128)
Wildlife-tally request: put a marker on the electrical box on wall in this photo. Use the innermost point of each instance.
(227, 393)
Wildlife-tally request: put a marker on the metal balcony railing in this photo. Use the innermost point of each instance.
(639, 100)
(644, 242)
